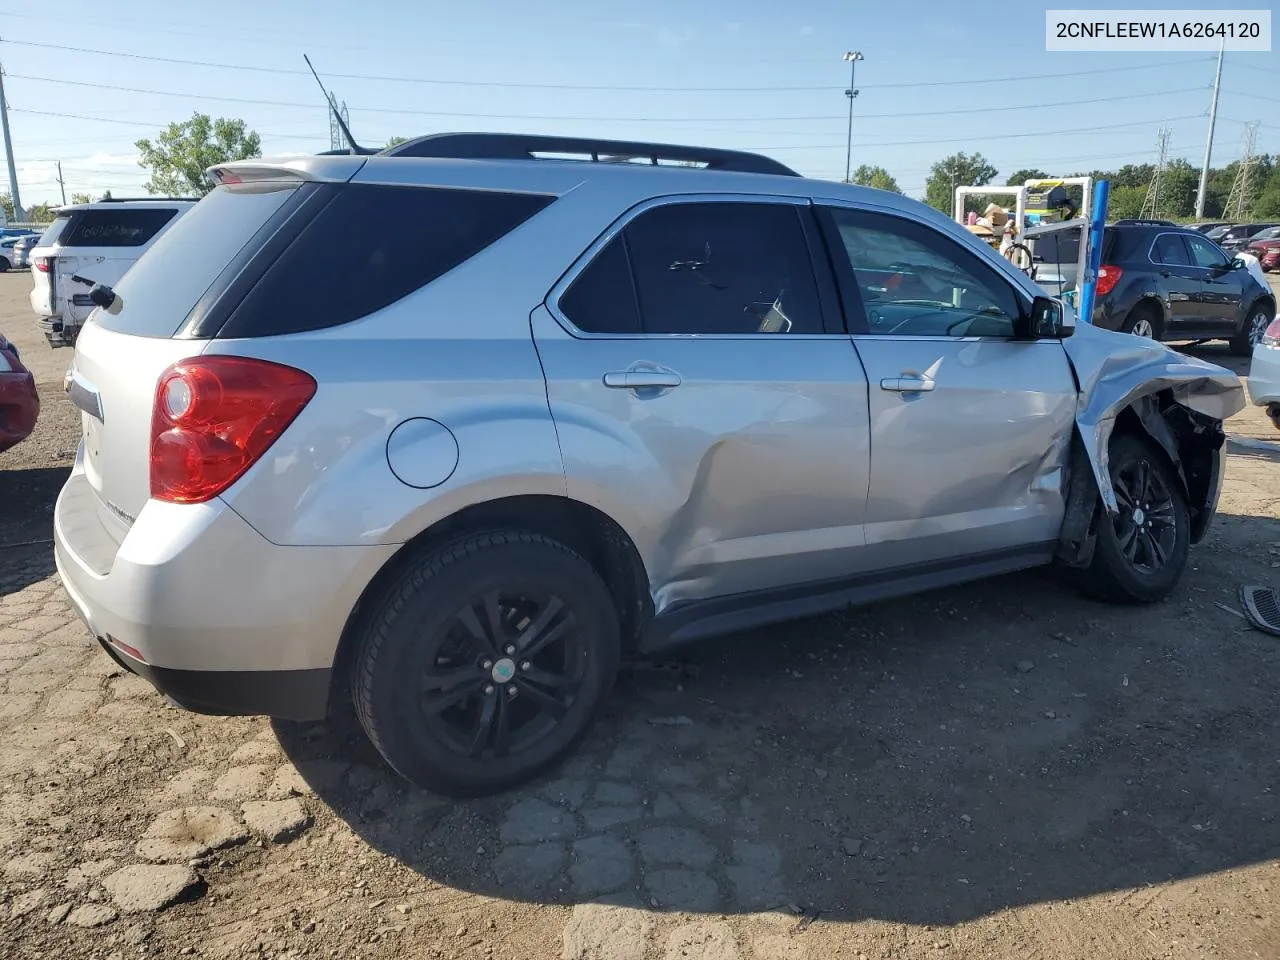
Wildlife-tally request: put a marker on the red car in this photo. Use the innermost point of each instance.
(1266, 247)
(19, 402)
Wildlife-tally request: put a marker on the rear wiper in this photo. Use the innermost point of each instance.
(100, 295)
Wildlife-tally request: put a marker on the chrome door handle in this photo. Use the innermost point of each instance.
(916, 384)
(642, 379)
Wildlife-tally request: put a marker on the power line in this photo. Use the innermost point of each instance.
(522, 85)
(983, 137)
(498, 116)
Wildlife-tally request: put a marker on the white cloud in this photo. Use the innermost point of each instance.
(674, 39)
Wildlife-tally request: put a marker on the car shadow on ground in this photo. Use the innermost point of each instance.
(26, 525)
(928, 760)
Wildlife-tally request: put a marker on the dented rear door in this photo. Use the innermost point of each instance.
(717, 419)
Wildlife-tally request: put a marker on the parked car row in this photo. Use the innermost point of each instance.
(1234, 237)
(1164, 282)
(551, 413)
(19, 402)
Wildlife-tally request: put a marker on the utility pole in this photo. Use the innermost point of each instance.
(852, 57)
(8, 152)
(62, 184)
(1151, 206)
(1208, 146)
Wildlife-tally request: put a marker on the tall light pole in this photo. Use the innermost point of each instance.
(1208, 146)
(852, 56)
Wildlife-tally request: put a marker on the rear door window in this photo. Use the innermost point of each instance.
(115, 228)
(407, 237)
(1169, 249)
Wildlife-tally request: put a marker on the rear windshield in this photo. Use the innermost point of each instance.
(53, 231)
(1061, 246)
(158, 291)
(115, 228)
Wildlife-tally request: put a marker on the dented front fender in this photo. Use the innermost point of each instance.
(1178, 401)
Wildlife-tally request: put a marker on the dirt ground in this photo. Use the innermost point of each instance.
(997, 770)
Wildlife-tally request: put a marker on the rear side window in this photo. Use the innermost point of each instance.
(115, 228)
(370, 246)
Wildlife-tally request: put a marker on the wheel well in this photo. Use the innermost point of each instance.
(1264, 300)
(1151, 305)
(584, 529)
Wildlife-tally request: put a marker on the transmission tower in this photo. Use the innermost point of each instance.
(336, 140)
(1241, 198)
(1151, 205)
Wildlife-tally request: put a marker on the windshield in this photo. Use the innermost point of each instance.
(158, 291)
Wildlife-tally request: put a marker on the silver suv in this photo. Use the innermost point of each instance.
(558, 412)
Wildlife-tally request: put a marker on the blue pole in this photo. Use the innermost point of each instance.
(1097, 224)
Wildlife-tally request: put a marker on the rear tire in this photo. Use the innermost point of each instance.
(1140, 553)
(5, 265)
(1143, 321)
(461, 629)
(1255, 325)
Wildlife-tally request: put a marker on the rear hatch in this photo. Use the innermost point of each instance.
(99, 244)
(121, 354)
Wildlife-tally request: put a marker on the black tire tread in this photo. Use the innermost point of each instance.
(1144, 309)
(1101, 580)
(397, 595)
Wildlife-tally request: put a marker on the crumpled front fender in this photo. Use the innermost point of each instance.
(1177, 400)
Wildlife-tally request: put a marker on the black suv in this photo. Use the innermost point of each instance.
(1170, 283)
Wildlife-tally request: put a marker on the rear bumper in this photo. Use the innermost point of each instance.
(287, 694)
(200, 604)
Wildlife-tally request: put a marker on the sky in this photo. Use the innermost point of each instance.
(85, 80)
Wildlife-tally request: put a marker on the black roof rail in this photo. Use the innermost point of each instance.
(519, 146)
(347, 151)
(1145, 222)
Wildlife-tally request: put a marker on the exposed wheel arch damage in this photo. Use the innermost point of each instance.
(1176, 402)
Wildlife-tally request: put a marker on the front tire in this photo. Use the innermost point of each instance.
(1140, 553)
(1254, 327)
(485, 662)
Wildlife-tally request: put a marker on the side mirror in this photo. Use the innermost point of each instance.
(1238, 264)
(1049, 320)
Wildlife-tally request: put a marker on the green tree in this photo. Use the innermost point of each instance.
(81, 198)
(957, 170)
(179, 157)
(1126, 202)
(1019, 177)
(395, 142)
(6, 201)
(878, 177)
(1268, 204)
(1178, 186)
(40, 213)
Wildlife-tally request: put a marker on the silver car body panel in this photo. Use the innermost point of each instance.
(776, 460)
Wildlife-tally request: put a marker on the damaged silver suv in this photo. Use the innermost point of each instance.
(575, 401)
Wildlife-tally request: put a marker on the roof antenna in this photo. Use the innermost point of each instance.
(352, 146)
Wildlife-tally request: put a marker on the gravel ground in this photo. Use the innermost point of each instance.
(998, 770)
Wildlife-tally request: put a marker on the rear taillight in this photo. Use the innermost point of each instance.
(42, 264)
(214, 417)
(1271, 336)
(1108, 277)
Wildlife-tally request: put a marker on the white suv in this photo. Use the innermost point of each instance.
(94, 242)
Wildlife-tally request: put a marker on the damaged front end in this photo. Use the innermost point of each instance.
(1177, 403)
